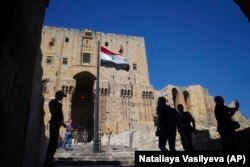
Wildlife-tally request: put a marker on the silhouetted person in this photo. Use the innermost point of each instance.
(56, 121)
(166, 124)
(223, 116)
(186, 127)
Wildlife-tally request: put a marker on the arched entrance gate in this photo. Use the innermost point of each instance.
(82, 105)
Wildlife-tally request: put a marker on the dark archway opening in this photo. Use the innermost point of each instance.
(186, 95)
(187, 99)
(82, 108)
(174, 94)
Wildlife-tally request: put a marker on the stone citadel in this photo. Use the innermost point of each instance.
(69, 64)
(127, 99)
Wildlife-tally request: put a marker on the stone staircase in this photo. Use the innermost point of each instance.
(83, 155)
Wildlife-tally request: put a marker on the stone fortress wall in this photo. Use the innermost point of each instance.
(69, 63)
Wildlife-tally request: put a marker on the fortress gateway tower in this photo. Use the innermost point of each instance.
(69, 64)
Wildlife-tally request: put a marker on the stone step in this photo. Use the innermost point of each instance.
(104, 148)
(74, 162)
(96, 156)
(83, 155)
(76, 155)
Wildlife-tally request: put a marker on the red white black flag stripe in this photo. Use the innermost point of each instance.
(113, 60)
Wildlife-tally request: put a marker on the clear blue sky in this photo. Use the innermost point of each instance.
(205, 42)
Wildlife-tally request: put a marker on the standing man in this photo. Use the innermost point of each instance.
(68, 135)
(100, 133)
(223, 115)
(85, 136)
(186, 127)
(56, 121)
(166, 124)
(108, 134)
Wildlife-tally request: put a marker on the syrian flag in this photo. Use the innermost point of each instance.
(113, 60)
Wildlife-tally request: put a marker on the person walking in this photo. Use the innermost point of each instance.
(108, 134)
(68, 135)
(56, 121)
(166, 125)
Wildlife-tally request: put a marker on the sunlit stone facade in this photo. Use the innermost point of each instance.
(70, 64)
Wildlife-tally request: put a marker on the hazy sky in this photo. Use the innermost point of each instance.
(194, 42)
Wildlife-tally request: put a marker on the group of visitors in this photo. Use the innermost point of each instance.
(170, 120)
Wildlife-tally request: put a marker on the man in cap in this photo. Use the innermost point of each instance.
(55, 107)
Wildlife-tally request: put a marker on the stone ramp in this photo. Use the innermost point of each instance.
(83, 155)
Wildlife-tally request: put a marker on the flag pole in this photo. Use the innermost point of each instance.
(96, 143)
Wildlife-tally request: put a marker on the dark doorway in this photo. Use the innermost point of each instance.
(174, 94)
(82, 108)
